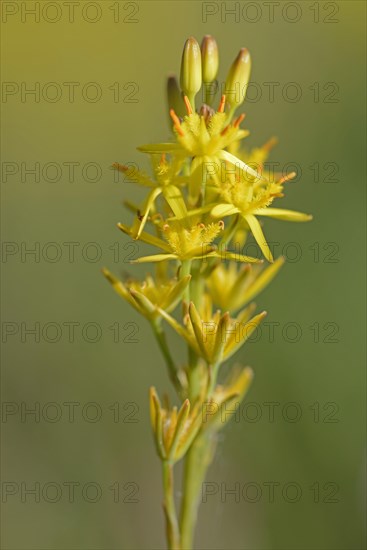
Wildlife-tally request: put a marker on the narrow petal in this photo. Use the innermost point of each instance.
(160, 148)
(259, 236)
(226, 255)
(171, 299)
(174, 197)
(121, 289)
(224, 209)
(146, 238)
(225, 155)
(154, 258)
(239, 337)
(262, 280)
(281, 214)
(139, 224)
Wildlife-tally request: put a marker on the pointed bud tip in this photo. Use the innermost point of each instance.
(210, 58)
(190, 77)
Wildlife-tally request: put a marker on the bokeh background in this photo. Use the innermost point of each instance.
(311, 373)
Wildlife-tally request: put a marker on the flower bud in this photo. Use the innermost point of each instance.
(191, 69)
(209, 58)
(238, 78)
(174, 98)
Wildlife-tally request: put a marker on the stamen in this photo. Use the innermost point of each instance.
(225, 130)
(287, 177)
(221, 224)
(176, 122)
(222, 104)
(120, 167)
(188, 105)
(238, 120)
(270, 144)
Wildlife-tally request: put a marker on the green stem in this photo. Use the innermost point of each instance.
(197, 462)
(200, 453)
(184, 271)
(173, 533)
(162, 342)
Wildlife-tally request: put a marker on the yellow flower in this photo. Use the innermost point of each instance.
(232, 288)
(249, 201)
(205, 137)
(215, 337)
(174, 430)
(186, 242)
(166, 182)
(149, 297)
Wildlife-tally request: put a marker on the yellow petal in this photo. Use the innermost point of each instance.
(160, 147)
(222, 210)
(173, 296)
(154, 258)
(226, 255)
(198, 331)
(139, 224)
(241, 334)
(121, 289)
(174, 197)
(262, 280)
(225, 155)
(146, 238)
(180, 427)
(281, 214)
(259, 236)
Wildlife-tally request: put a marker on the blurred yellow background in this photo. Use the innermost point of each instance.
(294, 458)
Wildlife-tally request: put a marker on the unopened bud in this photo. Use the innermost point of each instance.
(191, 69)
(238, 78)
(209, 58)
(174, 97)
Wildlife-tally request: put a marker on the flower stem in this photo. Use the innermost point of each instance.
(172, 529)
(162, 342)
(197, 462)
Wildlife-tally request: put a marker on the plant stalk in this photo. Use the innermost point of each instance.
(172, 529)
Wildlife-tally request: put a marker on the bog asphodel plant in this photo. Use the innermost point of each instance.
(205, 195)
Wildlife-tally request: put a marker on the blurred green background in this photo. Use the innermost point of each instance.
(317, 380)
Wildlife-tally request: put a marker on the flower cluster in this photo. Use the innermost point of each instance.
(205, 194)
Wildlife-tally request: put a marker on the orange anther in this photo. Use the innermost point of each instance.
(287, 177)
(176, 122)
(225, 130)
(222, 104)
(270, 144)
(188, 105)
(238, 120)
